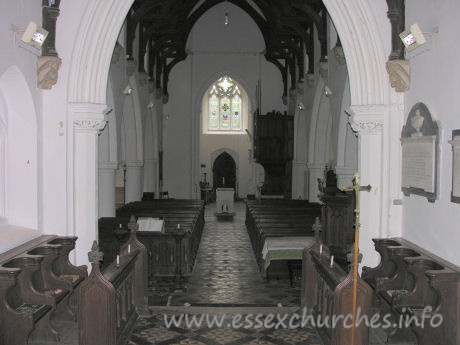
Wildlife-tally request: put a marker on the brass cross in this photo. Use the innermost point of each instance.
(356, 188)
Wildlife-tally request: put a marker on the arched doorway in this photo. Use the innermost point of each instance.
(224, 171)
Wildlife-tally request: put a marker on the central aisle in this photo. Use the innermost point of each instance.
(226, 271)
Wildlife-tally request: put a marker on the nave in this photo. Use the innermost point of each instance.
(225, 280)
(226, 272)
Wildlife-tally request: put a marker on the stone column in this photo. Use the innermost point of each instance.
(298, 182)
(315, 172)
(368, 122)
(107, 172)
(133, 186)
(151, 176)
(88, 121)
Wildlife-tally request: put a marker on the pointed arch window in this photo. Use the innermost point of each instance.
(225, 106)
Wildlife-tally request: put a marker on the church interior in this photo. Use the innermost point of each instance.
(162, 157)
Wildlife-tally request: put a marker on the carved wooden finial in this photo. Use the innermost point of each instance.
(316, 228)
(95, 256)
(132, 225)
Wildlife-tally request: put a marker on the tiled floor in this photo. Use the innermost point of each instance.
(226, 277)
(154, 331)
(226, 272)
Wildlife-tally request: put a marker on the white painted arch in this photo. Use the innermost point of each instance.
(364, 50)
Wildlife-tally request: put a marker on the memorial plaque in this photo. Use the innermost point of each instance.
(419, 163)
(455, 142)
(420, 140)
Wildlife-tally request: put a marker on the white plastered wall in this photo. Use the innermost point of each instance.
(21, 117)
(435, 75)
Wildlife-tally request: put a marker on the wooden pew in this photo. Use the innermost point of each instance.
(161, 247)
(328, 292)
(34, 287)
(278, 218)
(407, 280)
(110, 302)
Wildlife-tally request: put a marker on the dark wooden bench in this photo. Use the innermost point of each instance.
(328, 291)
(161, 247)
(36, 281)
(278, 218)
(407, 280)
(110, 301)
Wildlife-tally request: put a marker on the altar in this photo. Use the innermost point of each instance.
(225, 204)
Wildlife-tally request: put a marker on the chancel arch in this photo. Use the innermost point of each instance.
(371, 97)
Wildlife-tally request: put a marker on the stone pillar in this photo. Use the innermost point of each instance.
(151, 176)
(134, 185)
(107, 172)
(298, 172)
(368, 122)
(315, 172)
(88, 121)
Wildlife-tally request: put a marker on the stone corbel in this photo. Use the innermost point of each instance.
(399, 73)
(284, 98)
(323, 69)
(47, 71)
(49, 63)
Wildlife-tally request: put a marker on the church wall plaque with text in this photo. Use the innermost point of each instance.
(419, 140)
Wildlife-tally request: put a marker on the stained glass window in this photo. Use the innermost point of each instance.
(225, 106)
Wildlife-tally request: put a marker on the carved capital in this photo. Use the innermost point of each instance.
(89, 124)
(369, 127)
(47, 71)
(399, 73)
(367, 119)
(88, 116)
